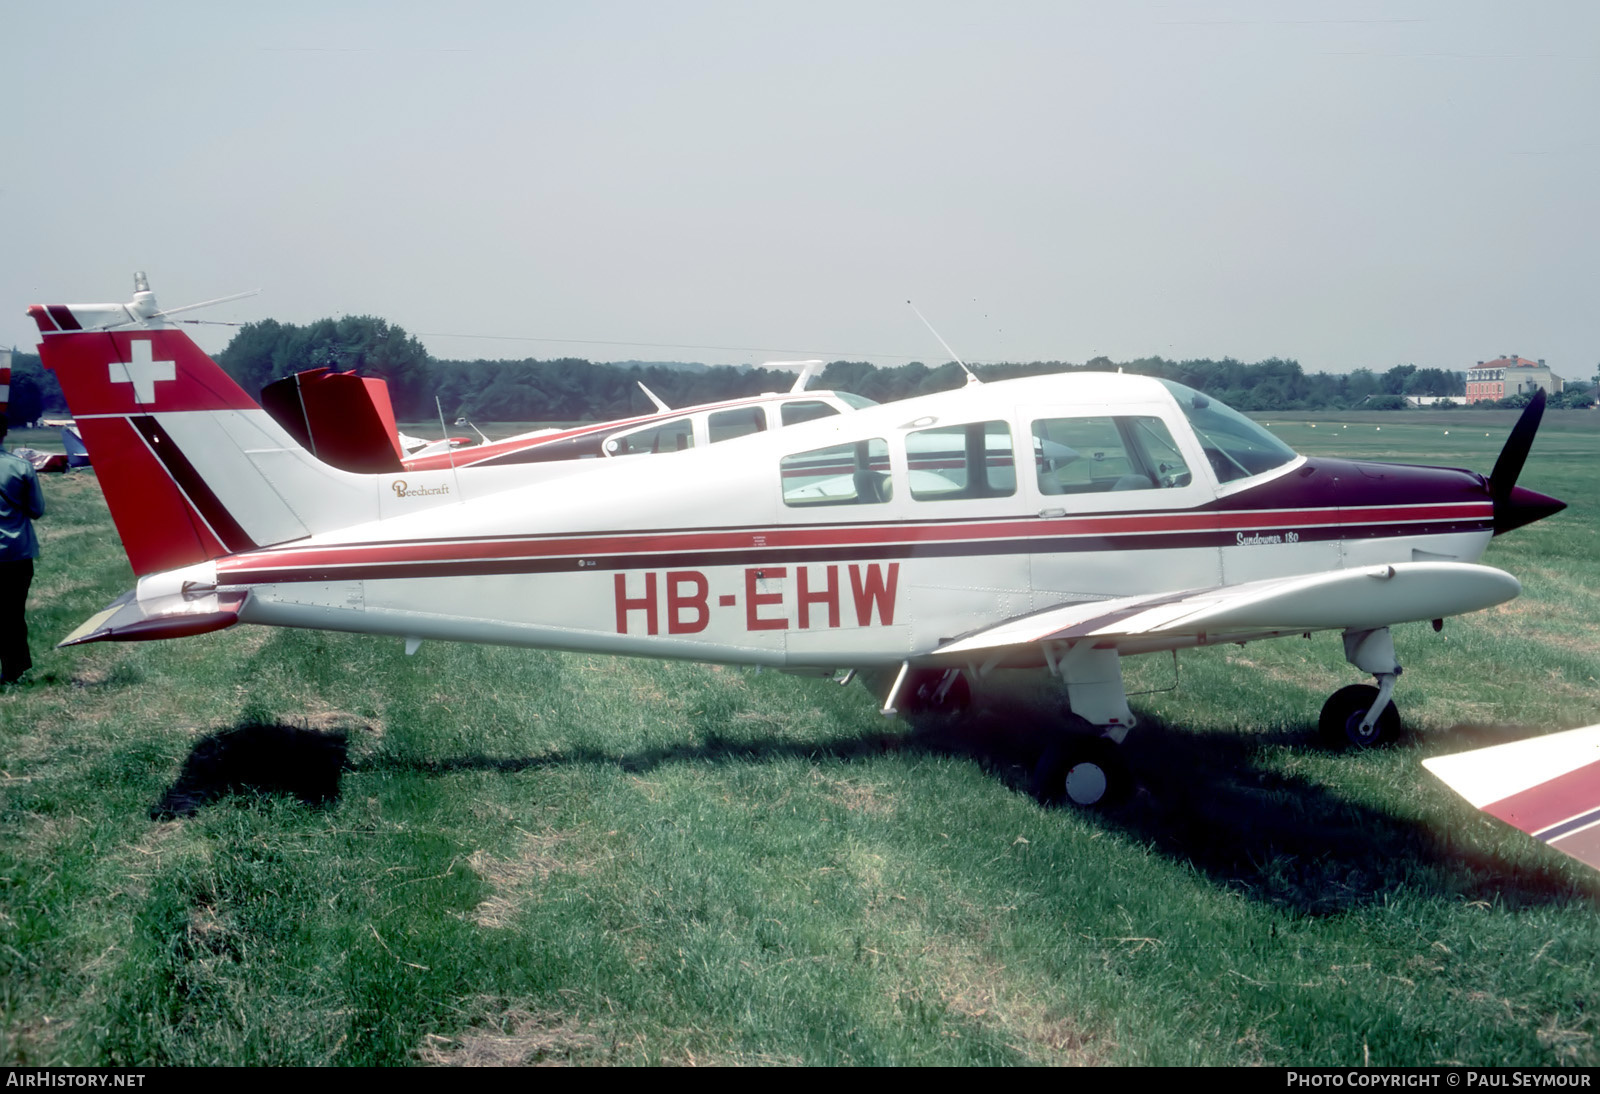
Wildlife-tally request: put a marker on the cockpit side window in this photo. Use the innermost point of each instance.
(1235, 446)
(674, 436)
(842, 474)
(807, 411)
(1090, 455)
(952, 462)
(725, 425)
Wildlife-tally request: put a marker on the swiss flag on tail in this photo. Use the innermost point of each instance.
(134, 372)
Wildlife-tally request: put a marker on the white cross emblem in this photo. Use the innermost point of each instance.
(143, 371)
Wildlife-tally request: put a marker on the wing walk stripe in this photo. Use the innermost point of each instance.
(1551, 803)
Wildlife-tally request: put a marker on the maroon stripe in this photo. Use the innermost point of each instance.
(199, 495)
(64, 317)
(1551, 802)
(273, 566)
(1150, 531)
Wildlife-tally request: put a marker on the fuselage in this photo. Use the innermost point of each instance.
(862, 539)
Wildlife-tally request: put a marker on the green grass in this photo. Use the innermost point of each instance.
(538, 856)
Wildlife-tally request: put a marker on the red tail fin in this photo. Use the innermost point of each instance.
(192, 469)
(115, 382)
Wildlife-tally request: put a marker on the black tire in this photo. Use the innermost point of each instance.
(1085, 771)
(1340, 724)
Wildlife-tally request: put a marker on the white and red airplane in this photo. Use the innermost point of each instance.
(1063, 521)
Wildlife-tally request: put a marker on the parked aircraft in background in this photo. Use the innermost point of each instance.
(1062, 522)
(348, 421)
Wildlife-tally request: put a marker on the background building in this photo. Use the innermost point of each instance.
(1510, 375)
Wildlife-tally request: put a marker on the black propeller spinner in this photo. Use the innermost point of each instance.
(1514, 505)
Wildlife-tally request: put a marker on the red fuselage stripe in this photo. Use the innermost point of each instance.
(1022, 532)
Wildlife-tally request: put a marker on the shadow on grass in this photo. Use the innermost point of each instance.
(1203, 799)
(257, 758)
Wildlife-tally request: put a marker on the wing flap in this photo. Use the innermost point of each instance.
(1357, 599)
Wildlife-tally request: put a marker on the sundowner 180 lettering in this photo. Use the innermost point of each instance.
(683, 599)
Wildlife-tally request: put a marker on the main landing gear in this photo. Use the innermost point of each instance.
(1360, 715)
(1081, 768)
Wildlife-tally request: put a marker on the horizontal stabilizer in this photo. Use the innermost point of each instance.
(129, 619)
(1548, 787)
(1358, 599)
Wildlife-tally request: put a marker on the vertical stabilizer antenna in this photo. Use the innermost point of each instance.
(143, 311)
(971, 379)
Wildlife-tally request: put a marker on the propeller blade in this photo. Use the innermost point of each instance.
(1515, 505)
(1515, 453)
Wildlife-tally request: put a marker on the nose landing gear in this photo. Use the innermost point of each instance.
(1360, 715)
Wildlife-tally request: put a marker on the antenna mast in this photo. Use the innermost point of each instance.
(971, 379)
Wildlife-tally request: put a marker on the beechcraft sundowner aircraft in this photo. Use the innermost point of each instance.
(1062, 522)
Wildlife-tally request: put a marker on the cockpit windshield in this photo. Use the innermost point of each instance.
(1235, 446)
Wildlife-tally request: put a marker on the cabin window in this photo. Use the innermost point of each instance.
(1235, 446)
(1091, 455)
(843, 474)
(810, 411)
(952, 462)
(725, 425)
(674, 436)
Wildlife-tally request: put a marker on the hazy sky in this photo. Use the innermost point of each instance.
(1349, 184)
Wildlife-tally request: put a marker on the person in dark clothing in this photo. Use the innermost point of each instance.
(21, 503)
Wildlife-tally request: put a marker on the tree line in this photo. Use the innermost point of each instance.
(572, 389)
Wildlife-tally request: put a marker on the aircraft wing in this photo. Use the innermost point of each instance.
(1363, 598)
(1548, 787)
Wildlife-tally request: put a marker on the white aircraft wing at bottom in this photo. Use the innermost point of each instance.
(1548, 787)
(1363, 598)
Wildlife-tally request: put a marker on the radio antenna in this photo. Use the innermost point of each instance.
(971, 379)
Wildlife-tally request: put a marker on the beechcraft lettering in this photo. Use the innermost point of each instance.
(1056, 523)
(683, 598)
(402, 489)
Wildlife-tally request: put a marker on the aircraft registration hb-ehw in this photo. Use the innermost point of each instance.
(1062, 521)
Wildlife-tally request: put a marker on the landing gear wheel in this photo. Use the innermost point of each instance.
(1340, 724)
(1084, 771)
(921, 693)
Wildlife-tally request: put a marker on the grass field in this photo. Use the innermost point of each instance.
(509, 856)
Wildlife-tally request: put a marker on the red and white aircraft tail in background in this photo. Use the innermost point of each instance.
(1061, 521)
